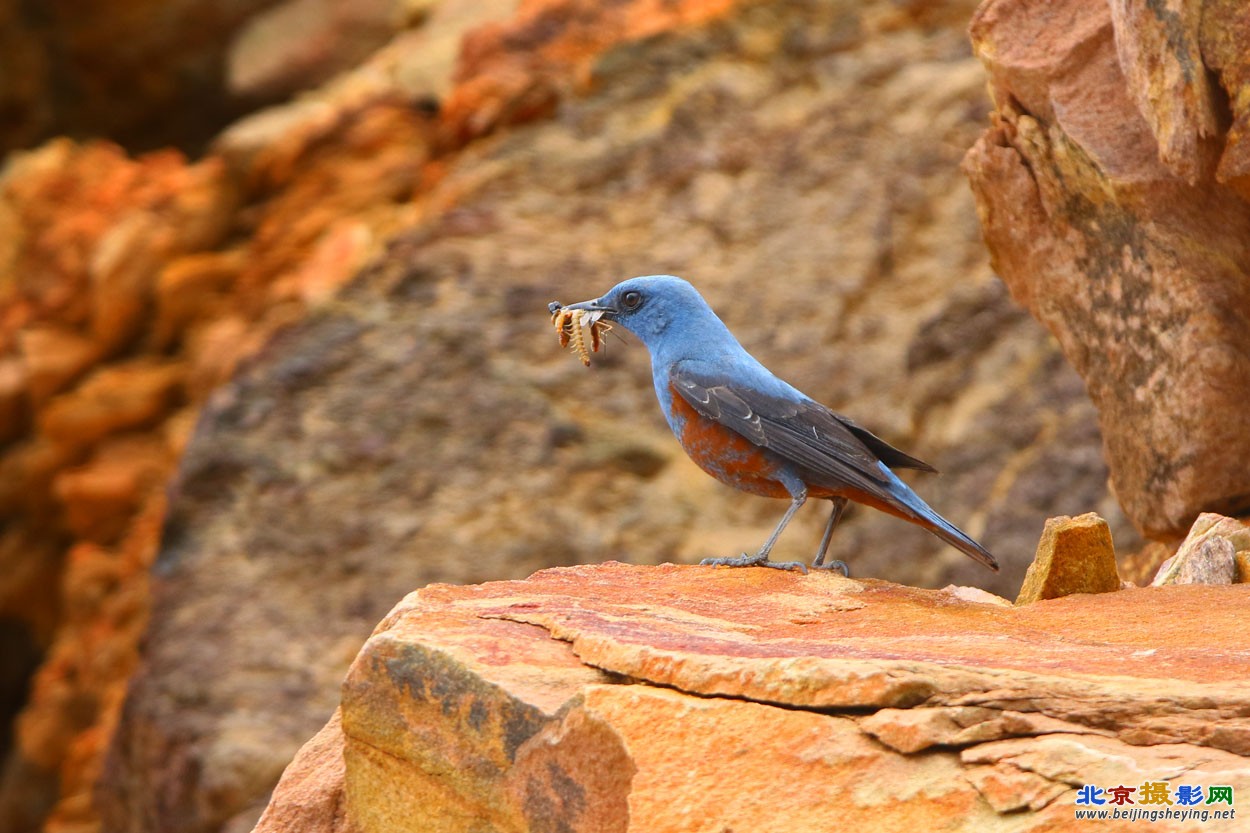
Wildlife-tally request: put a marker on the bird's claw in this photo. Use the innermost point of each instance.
(757, 560)
(841, 566)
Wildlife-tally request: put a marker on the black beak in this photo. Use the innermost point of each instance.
(596, 305)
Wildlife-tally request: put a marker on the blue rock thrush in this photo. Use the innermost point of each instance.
(750, 430)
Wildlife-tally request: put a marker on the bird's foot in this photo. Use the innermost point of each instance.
(841, 566)
(757, 560)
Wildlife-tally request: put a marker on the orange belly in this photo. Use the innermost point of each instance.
(736, 461)
(727, 455)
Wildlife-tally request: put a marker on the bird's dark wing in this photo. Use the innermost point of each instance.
(806, 433)
(885, 452)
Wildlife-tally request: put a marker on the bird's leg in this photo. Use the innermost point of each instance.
(760, 559)
(839, 506)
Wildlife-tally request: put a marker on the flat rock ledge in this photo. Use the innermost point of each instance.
(677, 698)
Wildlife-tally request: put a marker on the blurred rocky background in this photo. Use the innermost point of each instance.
(274, 349)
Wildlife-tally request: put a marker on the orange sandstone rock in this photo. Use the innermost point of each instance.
(193, 288)
(1105, 213)
(133, 394)
(310, 795)
(459, 714)
(513, 72)
(52, 358)
(122, 305)
(102, 496)
(77, 693)
(1242, 564)
(14, 410)
(1074, 555)
(1224, 32)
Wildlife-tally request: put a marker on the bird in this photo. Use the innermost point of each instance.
(755, 432)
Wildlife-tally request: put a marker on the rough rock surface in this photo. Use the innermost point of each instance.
(127, 295)
(1074, 555)
(878, 706)
(1209, 554)
(805, 149)
(424, 425)
(300, 44)
(129, 289)
(94, 424)
(142, 72)
(153, 73)
(310, 795)
(1111, 190)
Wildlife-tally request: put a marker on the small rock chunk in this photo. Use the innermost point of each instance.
(1074, 555)
(1209, 554)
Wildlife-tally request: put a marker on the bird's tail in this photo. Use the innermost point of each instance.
(910, 506)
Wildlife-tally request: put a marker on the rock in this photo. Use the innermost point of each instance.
(358, 454)
(416, 66)
(87, 263)
(130, 254)
(1159, 51)
(27, 471)
(87, 230)
(310, 794)
(1032, 765)
(1209, 554)
(974, 594)
(299, 44)
(30, 569)
(1225, 28)
(1096, 628)
(51, 359)
(107, 70)
(513, 73)
(1100, 202)
(122, 305)
(103, 496)
(1074, 555)
(1009, 789)
(1140, 567)
(77, 691)
(192, 289)
(459, 714)
(14, 411)
(1241, 561)
(123, 396)
(214, 351)
(364, 164)
(914, 730)
(516, 692)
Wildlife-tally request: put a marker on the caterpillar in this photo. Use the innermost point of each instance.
(570, 324)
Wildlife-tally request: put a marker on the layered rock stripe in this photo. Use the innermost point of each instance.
(677, 698)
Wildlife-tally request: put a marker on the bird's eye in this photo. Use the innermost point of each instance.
(631, 299)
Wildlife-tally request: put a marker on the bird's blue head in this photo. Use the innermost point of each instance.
(666, 312)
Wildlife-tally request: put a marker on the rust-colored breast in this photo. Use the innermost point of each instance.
(725, 454)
